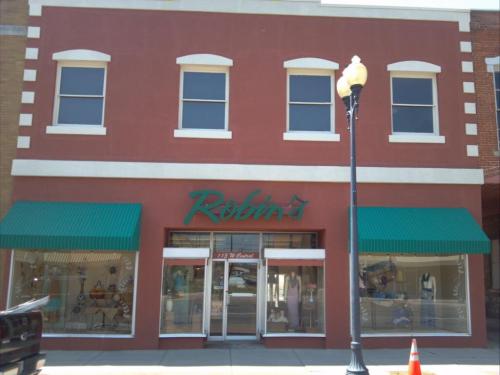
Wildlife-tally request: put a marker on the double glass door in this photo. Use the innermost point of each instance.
(233, 308)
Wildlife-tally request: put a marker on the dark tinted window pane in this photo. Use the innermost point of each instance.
(412, 91)
(310, 89)
(85, 111)
(201, 115)
(498, 98)
(412, 119)
(236, 242)
(189, 239)
(497, 80)
(82, 81)
(204, 86)
(310, 117)
(290, 240)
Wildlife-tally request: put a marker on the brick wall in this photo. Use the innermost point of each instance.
(13, 20)
(12, 48)
(485, 30)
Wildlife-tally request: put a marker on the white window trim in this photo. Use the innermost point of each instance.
(313, 135)
(414, 66)
(416, 138)
(276, 253)
(77, 129)
(203, 133)
(493, 66)
(180, 132)
(409, 137)
(311, 63)
(204, 59)
(81, 55)
(186, 252)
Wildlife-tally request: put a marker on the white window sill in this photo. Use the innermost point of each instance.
(416, 138)
(203, 133)
(317, 136)
(76, 129)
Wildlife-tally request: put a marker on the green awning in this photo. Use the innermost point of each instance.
(71, 226)
(419, 231)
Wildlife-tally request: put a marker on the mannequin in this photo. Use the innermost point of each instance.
(181, 302)
(293, 292)
(428, 297)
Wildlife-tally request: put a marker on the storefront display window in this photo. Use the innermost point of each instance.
(414, 294)
(90, 292)
(295, 299)
(182, 298)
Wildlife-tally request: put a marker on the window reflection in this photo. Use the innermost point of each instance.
(182, 298)
(413, 294)
(89, 292)
(295, 299)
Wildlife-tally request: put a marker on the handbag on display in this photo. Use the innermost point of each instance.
(97, 292)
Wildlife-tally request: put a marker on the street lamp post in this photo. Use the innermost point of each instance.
(349, 88)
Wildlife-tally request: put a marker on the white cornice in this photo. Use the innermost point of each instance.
(282, 7)
(492, 63)
(243, 172)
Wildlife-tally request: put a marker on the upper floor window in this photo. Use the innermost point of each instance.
(310, 100)
(497, 96)
(80, 92)
(414, 102)
(204, 96)
(493, 66)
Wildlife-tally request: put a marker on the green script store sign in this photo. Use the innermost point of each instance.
(212, 204)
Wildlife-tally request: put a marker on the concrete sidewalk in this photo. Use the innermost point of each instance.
(252, 359)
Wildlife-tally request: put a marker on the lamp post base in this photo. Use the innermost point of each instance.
(357, 366)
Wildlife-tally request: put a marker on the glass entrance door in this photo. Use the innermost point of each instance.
(233, 313)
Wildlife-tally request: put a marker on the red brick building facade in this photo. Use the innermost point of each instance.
(182, 176)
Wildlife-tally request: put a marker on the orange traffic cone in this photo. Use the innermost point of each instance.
(414, 364)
